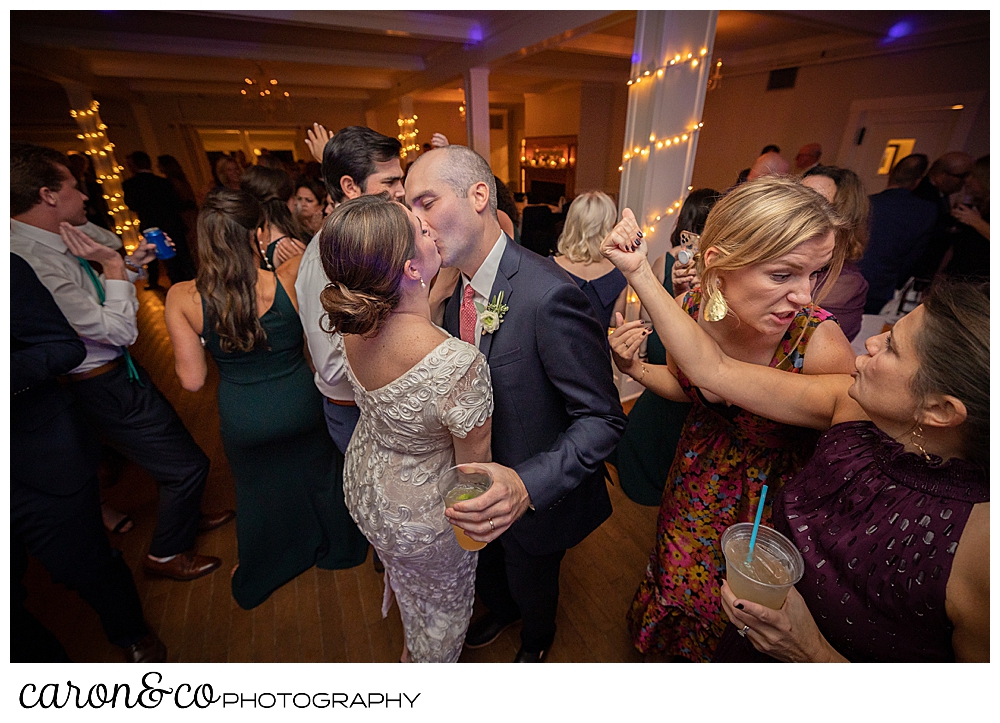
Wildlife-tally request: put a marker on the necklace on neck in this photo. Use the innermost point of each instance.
(263, 250)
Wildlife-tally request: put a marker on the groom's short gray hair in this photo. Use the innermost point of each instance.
(463, 168)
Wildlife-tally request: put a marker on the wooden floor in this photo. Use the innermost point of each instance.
(322, 616)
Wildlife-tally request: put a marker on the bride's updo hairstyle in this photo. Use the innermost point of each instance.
(364, 246)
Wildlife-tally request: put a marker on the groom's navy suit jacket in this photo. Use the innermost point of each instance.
(556, 410)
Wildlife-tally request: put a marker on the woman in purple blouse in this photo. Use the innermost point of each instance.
(892, 513)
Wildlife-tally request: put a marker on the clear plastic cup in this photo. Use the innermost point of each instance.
(457, 486)
(776, 565)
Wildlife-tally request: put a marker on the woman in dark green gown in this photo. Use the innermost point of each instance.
(290, 512)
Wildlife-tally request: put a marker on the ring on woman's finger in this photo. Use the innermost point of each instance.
(492, 526)
(744, 631)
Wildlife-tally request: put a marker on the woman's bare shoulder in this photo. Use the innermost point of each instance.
(829, 351)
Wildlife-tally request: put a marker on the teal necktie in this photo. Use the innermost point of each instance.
(133, 374)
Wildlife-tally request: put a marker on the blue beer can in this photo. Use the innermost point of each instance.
(155, 236)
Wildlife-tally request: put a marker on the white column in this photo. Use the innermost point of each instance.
(670, 70)
(477, 110)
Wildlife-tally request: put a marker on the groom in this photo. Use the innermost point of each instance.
(556, 410)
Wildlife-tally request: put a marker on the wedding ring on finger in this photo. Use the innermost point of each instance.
(744, 631)
(492, 526)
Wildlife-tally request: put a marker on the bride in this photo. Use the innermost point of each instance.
(426, 403)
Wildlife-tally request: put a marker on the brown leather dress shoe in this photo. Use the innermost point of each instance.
(148, 650)
(185, 566)
(211, 520)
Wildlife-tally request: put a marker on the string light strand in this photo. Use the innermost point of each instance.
(408, 135)
(100, 150)
(689, 60)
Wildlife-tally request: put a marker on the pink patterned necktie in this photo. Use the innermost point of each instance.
(467, 316)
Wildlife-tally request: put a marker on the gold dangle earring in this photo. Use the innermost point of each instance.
(917, 437)
(716, 307)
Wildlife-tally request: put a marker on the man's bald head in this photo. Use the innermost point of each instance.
(808, 156)
(769, 164)
(949, 172)
(908, 172)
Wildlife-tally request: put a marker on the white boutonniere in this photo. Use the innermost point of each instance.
(491, 315)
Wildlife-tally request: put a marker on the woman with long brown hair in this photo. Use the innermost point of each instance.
(290, 512)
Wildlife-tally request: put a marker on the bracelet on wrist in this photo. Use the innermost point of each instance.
(643, 374)
(135, 267)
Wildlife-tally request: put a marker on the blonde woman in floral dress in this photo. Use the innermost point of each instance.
(762, 249)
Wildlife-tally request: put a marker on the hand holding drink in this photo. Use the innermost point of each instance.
(164, 249)
(766, 577)
(457, 486)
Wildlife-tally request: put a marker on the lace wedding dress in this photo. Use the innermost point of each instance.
(402, 443)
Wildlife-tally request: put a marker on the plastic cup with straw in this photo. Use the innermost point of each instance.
(761, 563)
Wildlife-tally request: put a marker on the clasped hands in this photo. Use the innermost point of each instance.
(503, 503)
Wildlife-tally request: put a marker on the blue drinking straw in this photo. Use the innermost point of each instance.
(756, 523)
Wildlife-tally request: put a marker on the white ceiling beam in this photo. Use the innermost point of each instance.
(614, 46)
(559, 72)
(524, 34)
(151, 67)
(176, 87)
(457, 96)
(212, 48)
(383, 22)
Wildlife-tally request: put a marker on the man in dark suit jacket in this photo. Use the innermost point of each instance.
(156, 203)
(54, 500)
(556, 415)
(900, 228)
(945, 177)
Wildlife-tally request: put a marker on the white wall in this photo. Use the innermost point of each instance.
(552, 114)
(742, 116)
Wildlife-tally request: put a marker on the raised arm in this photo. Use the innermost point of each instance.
(316, 139)
(816, 401)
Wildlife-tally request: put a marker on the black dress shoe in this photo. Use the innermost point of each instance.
(527, 656)
(485, 630)
(148, 650)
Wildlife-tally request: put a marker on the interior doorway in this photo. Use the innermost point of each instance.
(935, 123)
(280, 142)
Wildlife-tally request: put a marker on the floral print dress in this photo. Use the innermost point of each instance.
(724, 457)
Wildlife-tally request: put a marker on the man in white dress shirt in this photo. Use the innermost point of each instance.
(115, 394)
(356, 161)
